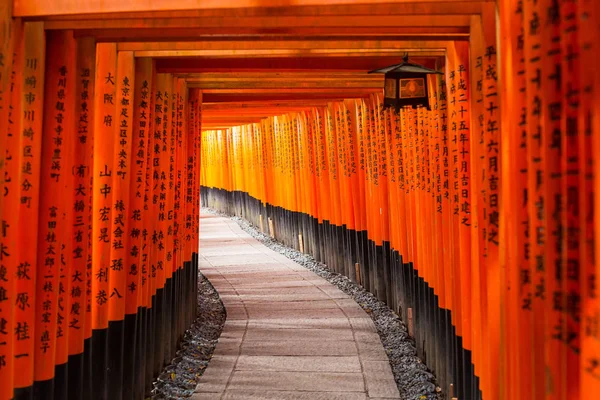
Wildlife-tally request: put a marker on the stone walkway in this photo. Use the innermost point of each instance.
(289, 333)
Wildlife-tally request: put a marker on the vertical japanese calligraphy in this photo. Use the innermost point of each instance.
(588, 111)
(105, 121)
(551, 206)
(122, 132)
(137, 181)
(8, 205)
(30, 129)
(97, 283)
(53, 232)
(79, 320)
(119, 224)
(79, 311)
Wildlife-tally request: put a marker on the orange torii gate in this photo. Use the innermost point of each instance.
(475, 220)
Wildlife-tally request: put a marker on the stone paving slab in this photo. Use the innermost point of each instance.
(284, 297)
(299, 334)
(300, 348)
(289, 334)
(280, 395)
(293, 305)
(298, 380)
(317, 323)
(300, 363)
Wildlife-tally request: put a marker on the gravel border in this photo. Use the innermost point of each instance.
(179, 379)
(415, 381)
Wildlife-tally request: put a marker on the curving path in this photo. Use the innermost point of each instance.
(289, 334)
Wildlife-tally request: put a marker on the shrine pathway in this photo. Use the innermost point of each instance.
(289, 333)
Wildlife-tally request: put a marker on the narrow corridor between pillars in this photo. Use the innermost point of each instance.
(289, 333)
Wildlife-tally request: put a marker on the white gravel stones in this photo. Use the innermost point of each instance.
(179, 379)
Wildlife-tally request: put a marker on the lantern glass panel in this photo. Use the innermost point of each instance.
(412, 88)
(391, 88)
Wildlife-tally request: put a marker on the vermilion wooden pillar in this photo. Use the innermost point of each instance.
(123, 135)
(572, 132)
(61, 381)
(105, 121)
(179, 205)
(8, 204)
(588, 118)
(196, 218)
(135, 310)
(159, 188)
(54, 226)
(466, 261)
(172, 202)
(167, 198)
(31, 100)
(511, 219)
(535, 189)
(549, 195)
(80, 311)
(148, 223)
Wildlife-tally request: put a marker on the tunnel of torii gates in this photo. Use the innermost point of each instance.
(474, 221)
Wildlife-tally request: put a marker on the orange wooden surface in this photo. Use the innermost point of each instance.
(84, 82)
(261, 23)
(8, 205)
(66, 273)
(591, 359)
(517, 316)
(105, 121)
(54, 233)
(146, 220)
(121, 183)
(139, 153)
(31, 98)
(588, 118)
(571, 192)
(29, 7)
(11, 203)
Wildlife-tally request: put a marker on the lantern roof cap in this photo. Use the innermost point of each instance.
(406, 66)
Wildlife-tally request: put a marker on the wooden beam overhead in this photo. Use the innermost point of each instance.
(257, 112)
(219, 34)
(287, 45)
(284, 23)
(301, 91)
(36, 8)
(408, 7)
(359, 63)
(216, 127)
(238, 121)
(278, 76)
(221, 118)
(274, 80)
(215, 107)
(286, 53)
(239, 96)
(231, 122)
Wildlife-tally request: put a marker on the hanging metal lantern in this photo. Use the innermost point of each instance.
(405, 85)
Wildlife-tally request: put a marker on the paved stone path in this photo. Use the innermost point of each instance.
(289, 333)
